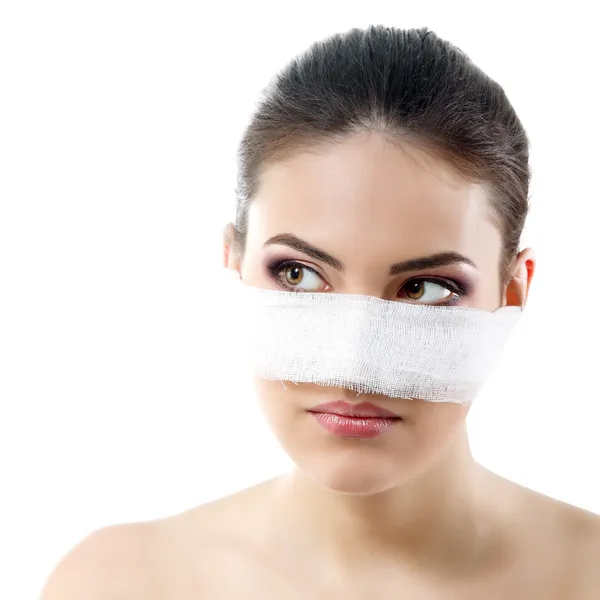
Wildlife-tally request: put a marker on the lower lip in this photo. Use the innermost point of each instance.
(360, 427)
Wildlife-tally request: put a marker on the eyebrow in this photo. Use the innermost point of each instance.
(441, 259)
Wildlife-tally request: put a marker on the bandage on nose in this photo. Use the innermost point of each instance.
(371, 345)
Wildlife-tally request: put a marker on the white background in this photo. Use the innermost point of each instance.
(119, 122)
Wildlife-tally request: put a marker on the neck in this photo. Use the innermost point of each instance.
(438, 518)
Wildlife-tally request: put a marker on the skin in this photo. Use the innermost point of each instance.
(409, 514)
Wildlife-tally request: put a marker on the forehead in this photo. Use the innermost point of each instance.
(370, 194)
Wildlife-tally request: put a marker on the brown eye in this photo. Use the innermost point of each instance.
(415, 289)
(427, 291)
(294, 275)
(297, 277)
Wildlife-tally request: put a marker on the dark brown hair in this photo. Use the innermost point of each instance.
(405, 84)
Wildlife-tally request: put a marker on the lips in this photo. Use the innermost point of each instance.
(363, 420)
(363, 410)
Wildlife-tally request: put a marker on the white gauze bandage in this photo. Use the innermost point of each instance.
(370, 345)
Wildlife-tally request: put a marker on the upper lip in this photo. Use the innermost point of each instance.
(364, 409)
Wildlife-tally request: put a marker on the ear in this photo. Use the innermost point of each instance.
(517, 289)
(231, 250)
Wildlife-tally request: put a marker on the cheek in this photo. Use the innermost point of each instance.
(251, 267)
(277, 403)
(291, 425)
(436, 424)
(489, 291)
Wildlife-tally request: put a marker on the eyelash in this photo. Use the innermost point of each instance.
(459, 289)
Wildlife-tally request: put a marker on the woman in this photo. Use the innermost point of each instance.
(379, 163)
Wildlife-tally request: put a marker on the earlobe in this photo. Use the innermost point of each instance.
(518, 287)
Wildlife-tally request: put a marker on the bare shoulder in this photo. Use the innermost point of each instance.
(150, 560)
(110, 563)
(570, 537)
(229, 522)
(583, 537)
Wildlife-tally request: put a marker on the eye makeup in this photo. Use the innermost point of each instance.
(459, 287)
(276, 268)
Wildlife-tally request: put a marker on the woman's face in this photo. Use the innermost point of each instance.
(335, 221)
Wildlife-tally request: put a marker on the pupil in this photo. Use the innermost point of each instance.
(294, 275)
(416, 289)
